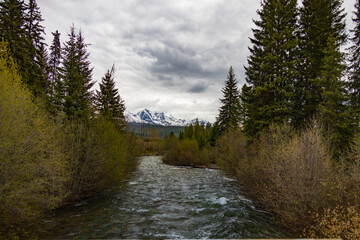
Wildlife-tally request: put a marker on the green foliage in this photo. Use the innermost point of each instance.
(108, 101)
(144, 130)
(199, 132)
(55, 91)
(47, 162)
(333, 109)
(32, 159)
(100, 156)
(354, 68)
(229, 113)
(20, 25)
(77, 77)
(184, 153)
(272, 67)
(319, 20)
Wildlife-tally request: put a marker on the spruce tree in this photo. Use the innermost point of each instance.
(35, 36)
(12, 20)
(77, 77)
(108, 101)
(229, 112)
(354, 79)
(272, 67)
(319, 19)
(333, 110)
(55, 91)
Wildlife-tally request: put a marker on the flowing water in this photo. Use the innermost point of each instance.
(162, 201)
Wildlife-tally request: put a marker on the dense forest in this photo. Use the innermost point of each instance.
(59, 141)
(290, 135)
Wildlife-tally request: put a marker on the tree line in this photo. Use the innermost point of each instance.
(298, 69)
(59, 140)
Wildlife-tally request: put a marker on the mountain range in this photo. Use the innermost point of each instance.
(147, 116)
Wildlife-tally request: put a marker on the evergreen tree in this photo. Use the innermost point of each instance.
(355, 66)
(55, 90)
(12, 30)
(333, 110)
(229, 113)
(272, 67)
(109, 102)
(20, 26)
(77, 76)
(34, 33)
(319, 19)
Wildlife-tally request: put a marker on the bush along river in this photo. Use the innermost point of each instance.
(162, 201)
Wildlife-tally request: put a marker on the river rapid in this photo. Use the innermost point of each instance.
(162, 201)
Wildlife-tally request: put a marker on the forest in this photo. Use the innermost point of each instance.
(290, 135)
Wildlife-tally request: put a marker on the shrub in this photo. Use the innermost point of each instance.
(340, 222)
(32, 160)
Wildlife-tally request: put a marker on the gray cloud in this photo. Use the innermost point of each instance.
(170, 56)
(198, 88)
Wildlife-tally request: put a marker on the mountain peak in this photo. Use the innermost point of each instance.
(146, 116)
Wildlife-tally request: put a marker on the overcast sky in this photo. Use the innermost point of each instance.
(170, 56)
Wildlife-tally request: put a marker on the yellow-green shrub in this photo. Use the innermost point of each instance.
(100, 156)
(184, 152)
(231, 151)
(32, 160)
(339, 222)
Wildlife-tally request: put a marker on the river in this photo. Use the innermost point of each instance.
(162, 201)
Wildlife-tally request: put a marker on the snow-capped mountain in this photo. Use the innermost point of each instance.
(147, 116)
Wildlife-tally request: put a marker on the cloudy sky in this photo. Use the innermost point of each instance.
(170, 56)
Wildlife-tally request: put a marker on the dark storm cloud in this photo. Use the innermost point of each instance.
(176, 61)
(198, 88)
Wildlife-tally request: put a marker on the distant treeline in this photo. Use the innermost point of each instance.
(152, 131)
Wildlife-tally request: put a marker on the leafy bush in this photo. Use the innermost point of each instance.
(184, 153)
(32, 161)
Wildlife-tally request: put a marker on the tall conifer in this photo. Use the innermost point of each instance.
(229, 112)
(55, 91)
(77, 76)
(108, 100)
(355, 65)
(20, 26)
(319, 19)
(272, 66)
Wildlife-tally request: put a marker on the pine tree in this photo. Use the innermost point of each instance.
(109, 102)
(272, 67)
(354, 79)
(319, 19)
(77, 77)
(229, 113)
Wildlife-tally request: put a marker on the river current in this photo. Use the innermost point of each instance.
(162, 201)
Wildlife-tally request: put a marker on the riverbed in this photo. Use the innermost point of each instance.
(162, 201)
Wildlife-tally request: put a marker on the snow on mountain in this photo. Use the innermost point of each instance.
(147, 116)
